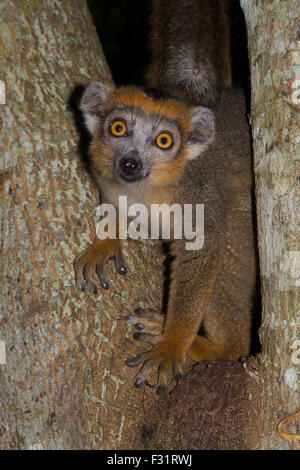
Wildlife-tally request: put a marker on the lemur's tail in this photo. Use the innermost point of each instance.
(190, 49)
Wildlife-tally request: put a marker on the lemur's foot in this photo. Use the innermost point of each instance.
(147, 321)
(166, 354)
(90, 265)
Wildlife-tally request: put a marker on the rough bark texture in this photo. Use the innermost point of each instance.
(274, 48)
(64, 384)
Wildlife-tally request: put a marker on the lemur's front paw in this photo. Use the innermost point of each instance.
(166, 354)
(90, 265)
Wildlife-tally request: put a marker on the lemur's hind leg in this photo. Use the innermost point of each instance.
(150, 324)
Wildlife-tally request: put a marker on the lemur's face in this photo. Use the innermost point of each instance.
(139, 141)
(137, 136)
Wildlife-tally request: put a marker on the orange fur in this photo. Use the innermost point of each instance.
(163, 173)
(132, 96)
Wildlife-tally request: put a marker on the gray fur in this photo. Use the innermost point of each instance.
(187, 48)
(91, 103)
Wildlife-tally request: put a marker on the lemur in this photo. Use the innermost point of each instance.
(167, 147)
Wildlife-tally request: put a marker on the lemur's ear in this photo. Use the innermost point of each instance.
(92, 102)
(201, 133)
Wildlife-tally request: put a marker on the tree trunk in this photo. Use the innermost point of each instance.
(63, 380)
(274, 49)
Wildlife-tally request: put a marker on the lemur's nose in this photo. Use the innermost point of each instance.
(131, 164)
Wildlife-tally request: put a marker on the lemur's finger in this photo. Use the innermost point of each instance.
(89, 273)
(101, 276)
(142, 376)
(149, 313)
(162, 385)
(145, 338)
(152, 326)
(81, 285)
(140, 312)
(93, 287)
(177, 371)
(148, 324)
(120, 263)
(135, 361)
(80, 281)
(132, 320)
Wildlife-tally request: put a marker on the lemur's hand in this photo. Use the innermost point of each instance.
(166, 354)
(89, 265)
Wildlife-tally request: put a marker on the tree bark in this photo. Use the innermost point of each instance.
(274, 50)
(64, 384)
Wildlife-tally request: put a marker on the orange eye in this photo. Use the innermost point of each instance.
(164, 141)
(118, 128)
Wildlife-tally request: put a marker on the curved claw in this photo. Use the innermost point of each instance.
(120, 263)
(102, 278)
(142, 376)
(145, 338)
(164, 359)
(166, 355)
(90, 276)
(162, 385)
(146, 321)
(135, 361)
(90, 265)
(177, 371)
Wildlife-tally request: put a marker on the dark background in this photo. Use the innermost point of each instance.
(122, 26)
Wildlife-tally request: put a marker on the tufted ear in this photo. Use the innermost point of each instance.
(202, 131)
(92, 102)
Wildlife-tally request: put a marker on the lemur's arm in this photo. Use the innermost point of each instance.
(193, 276)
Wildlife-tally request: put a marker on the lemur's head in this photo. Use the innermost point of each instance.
(139, 134)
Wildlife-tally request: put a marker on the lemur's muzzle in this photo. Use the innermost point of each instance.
(130, 167)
